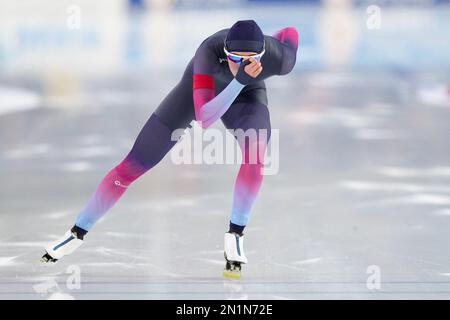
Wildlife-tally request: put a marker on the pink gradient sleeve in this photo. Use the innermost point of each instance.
(288, 36)
(288, 39)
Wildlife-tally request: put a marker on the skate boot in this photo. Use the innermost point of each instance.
(65, 245)
(234, 255)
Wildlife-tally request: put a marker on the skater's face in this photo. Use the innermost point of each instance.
(234, 66)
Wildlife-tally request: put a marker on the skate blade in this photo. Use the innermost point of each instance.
(229, 274)
(46, 259)
(40, 263)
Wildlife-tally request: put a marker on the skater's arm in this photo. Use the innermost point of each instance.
(287, 45)
(208, 107)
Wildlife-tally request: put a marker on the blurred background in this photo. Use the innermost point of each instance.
(364, 150)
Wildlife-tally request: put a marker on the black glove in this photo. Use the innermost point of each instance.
(243, 77)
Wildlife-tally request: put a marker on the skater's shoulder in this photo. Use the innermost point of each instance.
(221, 34)
(216, 39)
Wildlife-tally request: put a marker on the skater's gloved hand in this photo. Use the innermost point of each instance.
(248, 71)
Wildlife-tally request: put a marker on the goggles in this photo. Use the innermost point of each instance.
(238, 59)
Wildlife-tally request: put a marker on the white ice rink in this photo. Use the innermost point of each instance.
(363, 188)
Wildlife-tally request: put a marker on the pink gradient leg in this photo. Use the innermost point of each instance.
(112, 187)
(248, 183)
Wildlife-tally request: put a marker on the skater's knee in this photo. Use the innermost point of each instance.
(253, 146)
(130, 169)
(252, 173)
(253, 162)
(253, 152)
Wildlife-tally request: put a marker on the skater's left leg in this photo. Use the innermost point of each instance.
(154, 141)
(252, 130)
(152, 144)
(251, 127)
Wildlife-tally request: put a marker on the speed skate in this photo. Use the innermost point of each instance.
(63, 246)
(234, 255)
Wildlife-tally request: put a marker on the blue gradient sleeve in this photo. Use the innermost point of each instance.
(215, 108)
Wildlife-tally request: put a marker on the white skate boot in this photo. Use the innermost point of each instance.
(234, 255)
(65, 245)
